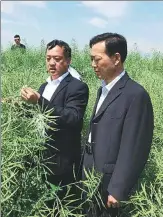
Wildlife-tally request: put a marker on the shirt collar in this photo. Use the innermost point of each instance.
(58, 80)
(103, 84)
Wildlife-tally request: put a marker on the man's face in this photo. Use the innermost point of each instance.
(17, 40)
(56, 62)
(103, 65)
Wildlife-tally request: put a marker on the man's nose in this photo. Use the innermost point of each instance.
(52, 62)
(93, 64)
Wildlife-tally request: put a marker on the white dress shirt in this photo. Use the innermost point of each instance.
(74, 73)
(52, 86)
(105, 90)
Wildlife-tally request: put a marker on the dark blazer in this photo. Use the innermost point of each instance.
(122, 132)
(69, 103)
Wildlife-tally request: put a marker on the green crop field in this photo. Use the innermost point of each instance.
(23, 191)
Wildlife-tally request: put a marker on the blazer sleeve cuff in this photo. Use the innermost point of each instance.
(118, 194)
(40, 100)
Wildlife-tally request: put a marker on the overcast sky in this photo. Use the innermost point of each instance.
(140, 22)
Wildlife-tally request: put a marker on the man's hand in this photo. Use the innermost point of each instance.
(112, 202)
(30, 95)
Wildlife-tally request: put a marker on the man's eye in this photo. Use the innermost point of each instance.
(96, 60)
(57, 60)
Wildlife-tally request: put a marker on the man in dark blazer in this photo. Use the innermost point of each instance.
(121, 126)
(68, 97)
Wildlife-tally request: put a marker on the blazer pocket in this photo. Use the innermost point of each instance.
(108, 168)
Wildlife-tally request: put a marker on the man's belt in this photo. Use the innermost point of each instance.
(88, 148)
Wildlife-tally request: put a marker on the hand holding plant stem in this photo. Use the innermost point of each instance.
(30, 95)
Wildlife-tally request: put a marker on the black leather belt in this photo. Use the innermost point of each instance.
(88, 148)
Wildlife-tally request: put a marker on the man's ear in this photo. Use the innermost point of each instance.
(69, 61)
(117, 58)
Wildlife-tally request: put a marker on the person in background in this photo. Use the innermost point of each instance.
(121, 126)
(17, 44)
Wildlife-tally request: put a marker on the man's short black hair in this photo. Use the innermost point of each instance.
(60, 43)
(114, 43)
(17, 36)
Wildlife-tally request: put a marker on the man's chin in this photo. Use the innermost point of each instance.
(54, 76)
(99, 76)
(52, 73)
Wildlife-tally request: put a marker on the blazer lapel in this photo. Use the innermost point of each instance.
(94, 110)
(113, 94)
(97, 99)
(62, 85)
